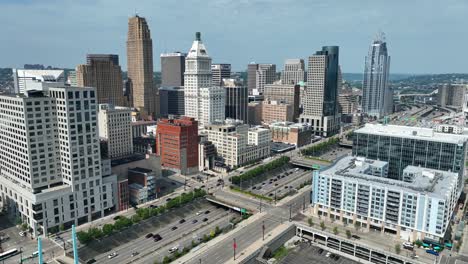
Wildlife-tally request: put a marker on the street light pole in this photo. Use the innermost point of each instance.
(263, 230)
(21, 254)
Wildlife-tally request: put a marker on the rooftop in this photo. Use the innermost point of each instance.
(413, 133)
(426, 181)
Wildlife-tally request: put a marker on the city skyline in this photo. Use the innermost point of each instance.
(234, 40)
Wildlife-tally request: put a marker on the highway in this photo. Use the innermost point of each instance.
(145, 246)
(222, 252)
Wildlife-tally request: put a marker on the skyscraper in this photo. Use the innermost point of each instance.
(172, 100)
(294, 71)
(172, 69)
(219, 72)
(266, 74)
(377, 97)
(236, 99)
(288, 93)
(321, 100)
(252, 76)
(115, 128)
(140, 66)
(103, 72)
(203, 101)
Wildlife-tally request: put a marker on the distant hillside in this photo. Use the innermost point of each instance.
(357, 77)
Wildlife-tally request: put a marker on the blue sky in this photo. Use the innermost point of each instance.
(424, 36)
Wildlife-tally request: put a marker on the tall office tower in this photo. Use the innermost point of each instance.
(266, 74)
(115, 127)
(452, 95)
(203, 101)
(103, 72)
(237, 97)
(172, 100)
(294, 71)
(287, 93)
(177, 144)
(219, 72)
(172, 69)
(377, 97)
(401, 146)
(50, 159)
(140, 66)
(252, 77)
(28, 80)
(320, 108)
(340, 79)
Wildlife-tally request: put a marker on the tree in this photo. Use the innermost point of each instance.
(212, 234)
(83, 237)
(335, 230)
(357, 225)
(217, 230)
(107, 229)
(194, 243)
(310, 221)
(205, 238)
(166, 260)
(62, 227)
(136, 218)
(418, 243)
(24, 226)
(397, 248)
(348, 234)
(322, 225)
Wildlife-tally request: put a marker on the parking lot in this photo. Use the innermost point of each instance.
(281, 183)
(306, 253)
(335, 153)
(170, 227)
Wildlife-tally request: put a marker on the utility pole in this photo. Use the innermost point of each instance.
(303, 204)
(290, 212)
(260, 205)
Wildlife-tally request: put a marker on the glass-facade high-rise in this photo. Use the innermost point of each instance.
(401, 146)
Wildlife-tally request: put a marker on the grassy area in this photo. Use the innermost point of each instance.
(280, 253)
(237, 189)
(318, 159)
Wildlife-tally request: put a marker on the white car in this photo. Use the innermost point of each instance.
(112, 255)
(173, 249)
(22, 233)
(199, 212)
(328, 254)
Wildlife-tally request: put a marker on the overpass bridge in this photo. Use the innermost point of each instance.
(309, 163)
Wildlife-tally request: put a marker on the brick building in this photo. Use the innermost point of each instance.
(177, 144)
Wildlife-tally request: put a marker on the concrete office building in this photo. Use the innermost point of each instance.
(291, 133)
(140, 67)
(452, 95)
(71, 78)
(177, 144)
(236, 144)
(357, 190)
(50, 163)
(172, 69)
(206, 153)
(103, 72)
(320, 108)
(28, 80)
(115, 127)
(402, 146)
(347, 103)
(172, 101)
(377, 97)
(288, 93)
(219, 72)
(236, 99)
(276, 111)
(252, 77)
(293, 72)
(266, 74)
(203, 101)
(254, 113)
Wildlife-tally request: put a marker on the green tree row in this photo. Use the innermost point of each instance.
(320, 148)
(85, 237)
(260, 170)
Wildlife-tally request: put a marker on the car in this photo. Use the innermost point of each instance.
(168, 199)
(336, 258)
(91, 261)
(112, 255)
(22, 233)
(181, 221)
(157, 237)
(203, 186)
(263, 183)
(173, 249)
(153, 206)
(328, 254)
(282, 176)
(207, 211)
(286, 187)
(194, 221)
(218, 184)
(356, 237)
(135, 253)
(276, 184)
(173, 183)
(271, 194)
(173, 228)
(199, 212)
(408, 245)
(255, 187)
(149, 235)
(275, 179)
(320, 251)
(433, 252)
(205, 219)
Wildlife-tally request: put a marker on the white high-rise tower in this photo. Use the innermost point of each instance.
(203, 101)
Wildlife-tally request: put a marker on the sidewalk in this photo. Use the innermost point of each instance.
(247, 253)
(206, 246)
